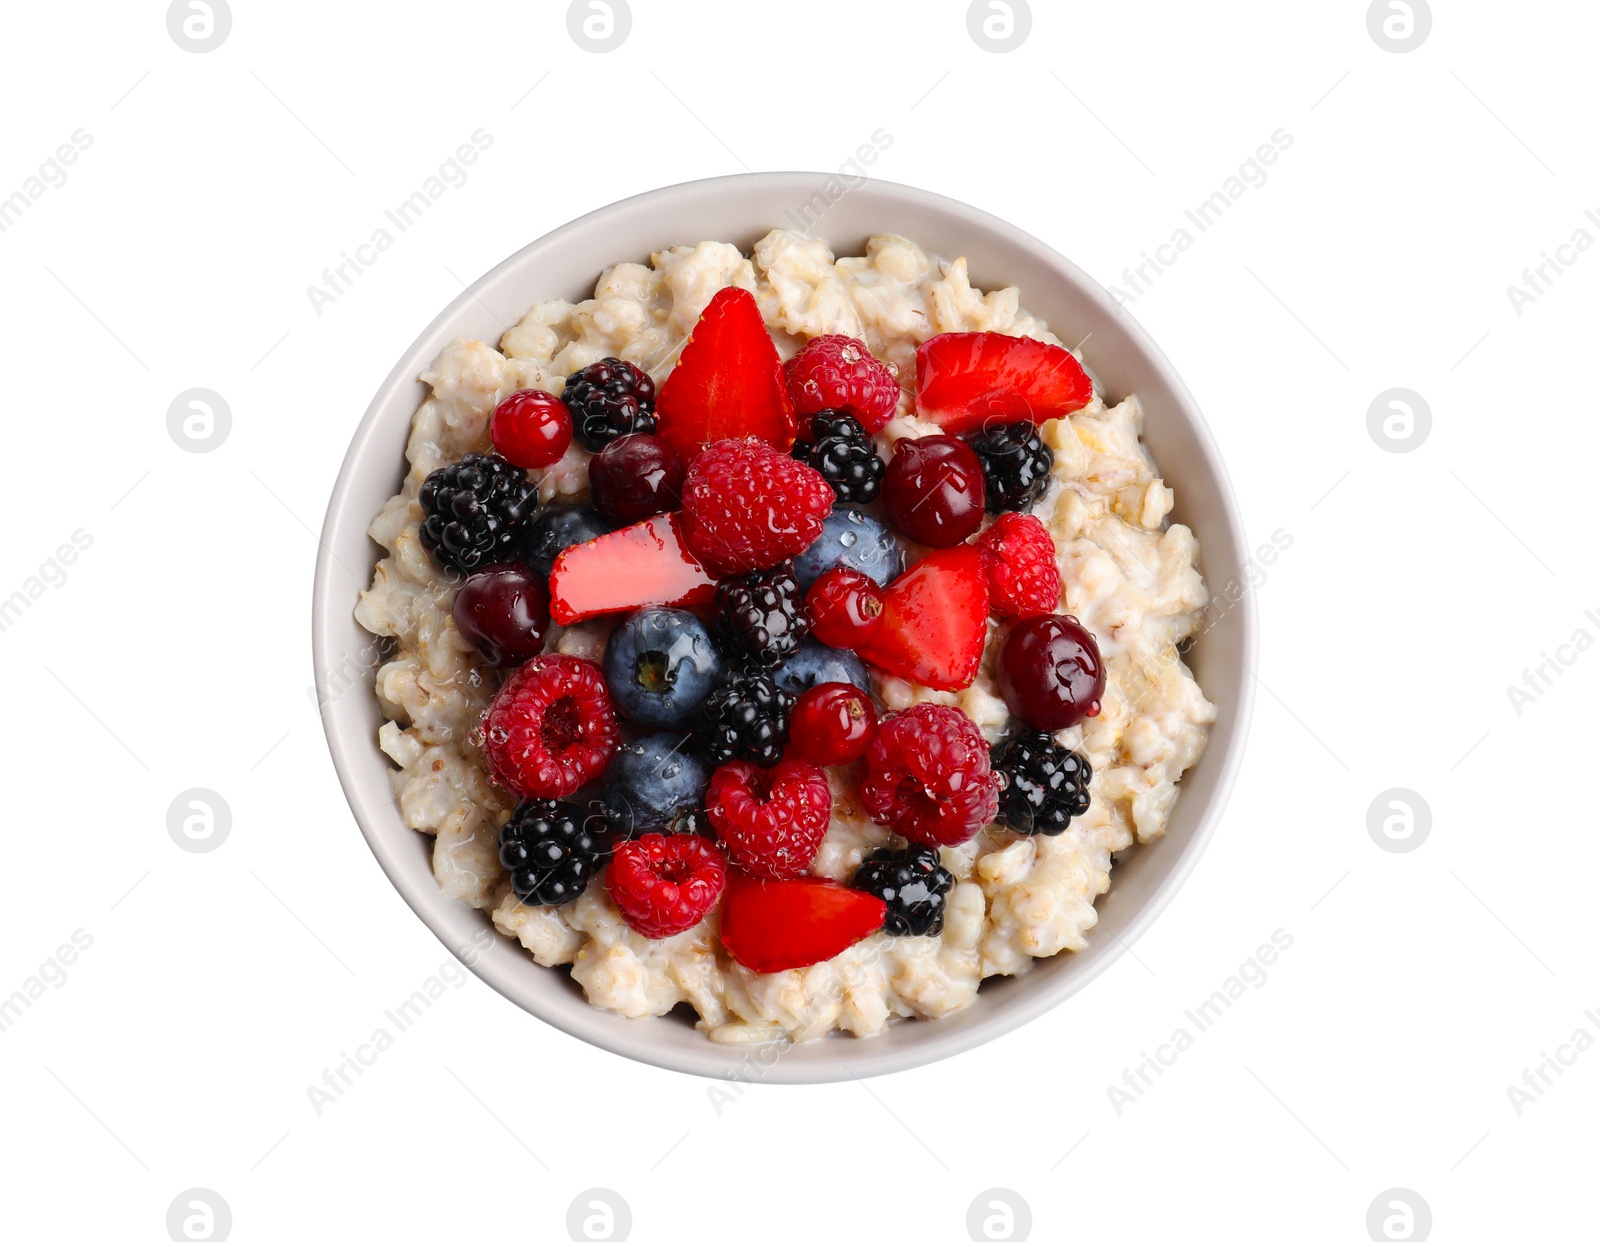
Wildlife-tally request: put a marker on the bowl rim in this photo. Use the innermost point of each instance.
(630, 1037)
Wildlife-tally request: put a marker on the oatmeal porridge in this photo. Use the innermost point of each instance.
(791, 637)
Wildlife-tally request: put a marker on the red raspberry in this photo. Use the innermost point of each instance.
(846, 608)
(833, 723)
(665, 884)
(772, 820)
(928, 776)
(551, 728)
(747, 506)
(1019, 559)
(840, 373)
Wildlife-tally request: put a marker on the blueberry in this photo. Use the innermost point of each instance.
(652, 782)
(660, 664)
(855, 540)
(815, 664)
(557, 530)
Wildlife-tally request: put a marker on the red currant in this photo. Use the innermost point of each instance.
(635, 477)
(846, 608)
(934, 490)
(1050, 672)
(833, 723)
(531, 428)
(503, 611)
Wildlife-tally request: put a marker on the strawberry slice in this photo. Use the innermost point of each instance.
(773, 925)
(728, 383)
(635, 567)
(968, 379)
(935, 618)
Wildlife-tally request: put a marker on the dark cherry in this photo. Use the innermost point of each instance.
(635, 477)
(503, 611)
(1050, 672)
(934, 490)
(833, 723)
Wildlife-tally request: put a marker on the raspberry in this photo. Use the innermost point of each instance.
(1019, 560)
(747, 506)
(663, 885)
(928, 776)
(840, 373)
(550, 729)
(771, 820)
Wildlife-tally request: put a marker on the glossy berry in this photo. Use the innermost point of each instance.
(854, 540)
(747, 506)
(531, 428)
(935, 621)
(837, 372)
(816, 664)
(761, 618)
(912, 884)
(609, 398)
(928, 776)
(844, 453)
(1019, 564)
(966, 380)
(556, 530)
(846, 608)
(748, 718)
(550, 729)
(635, 477)
(1016, 466)
(549, 852)
(640, 566)
(663, 885)
(1044, 784)
(1050, 673)
(476, 512)
(833, 723)
(772, 820)
(652, 783)
(503, 611)
(934, 490)
(660, 664)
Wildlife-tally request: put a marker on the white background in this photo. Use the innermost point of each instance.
(1419, 586)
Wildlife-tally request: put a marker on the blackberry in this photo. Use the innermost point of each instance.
(747, 718)
(609, 398)
(761, 618)
(844, 452)
(913, 885)
(1016, 466)
(477, 512)
(550, 852)
(1045, 784)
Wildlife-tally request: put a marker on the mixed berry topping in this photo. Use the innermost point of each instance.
(607, 399)
(911, 884)
(743, 597)
(1045, 785)
(549, 852)
(476, 512)
(1016, 466)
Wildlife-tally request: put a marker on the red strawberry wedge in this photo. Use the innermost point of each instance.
(968, 379)
(728, 383)
(934, 621)
(773, 925)
(635, 567)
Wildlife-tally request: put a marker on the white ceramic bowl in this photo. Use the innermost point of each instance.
(741, 209)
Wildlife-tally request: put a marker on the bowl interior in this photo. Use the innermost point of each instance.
(741, 210)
